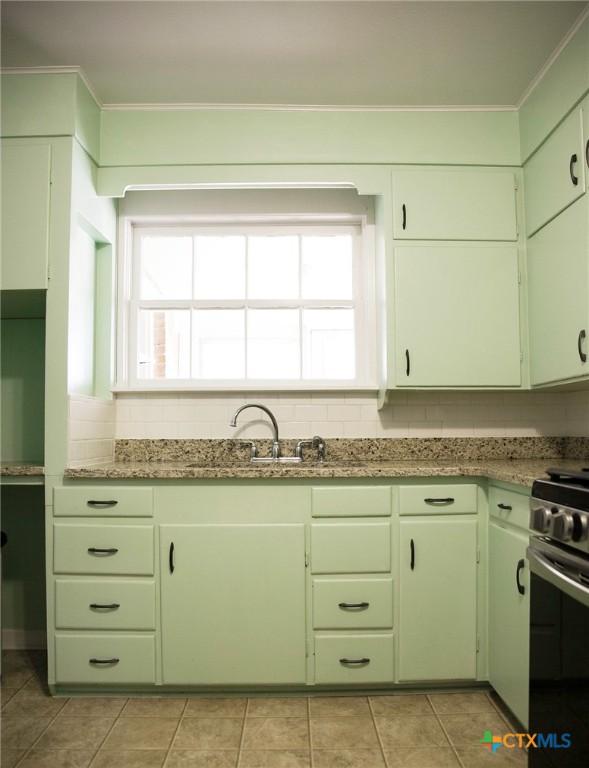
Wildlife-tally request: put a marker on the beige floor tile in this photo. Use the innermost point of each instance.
(88, 706)
(459, 703)
(21, 732)
(209, 733)
(75, 733)
(215, 707)
(202, 758)
(142, 733)
(468, 730)
(10, 757)
(422, 757)
(33, 706)
(270, 706)
(347, 758)
(478, 757)
(6, 694)
(277, 758)
(343, 733)
(340, 706)
(128, 758)
(16, 678)
(276, 733)
(36, 687)
(401, 705)
(420, 731)
(61, 758)
(153, 707)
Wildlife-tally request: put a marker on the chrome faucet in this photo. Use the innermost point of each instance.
(318, 443)
(268, 412)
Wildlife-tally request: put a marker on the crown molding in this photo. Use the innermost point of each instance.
(63, 70)
(179, 107)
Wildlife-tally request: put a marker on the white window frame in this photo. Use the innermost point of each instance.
(128, 302)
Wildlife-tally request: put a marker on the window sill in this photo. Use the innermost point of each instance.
(266, 386)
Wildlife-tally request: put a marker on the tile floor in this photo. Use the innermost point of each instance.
(436, 730)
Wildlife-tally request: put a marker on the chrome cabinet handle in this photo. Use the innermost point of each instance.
(357, 662)
(105, 606)
(102, 550)
(353, 606)
(102, 504)
(520, 566)
(572, 163)
(580, 340)
(440, 500)
(112, 661)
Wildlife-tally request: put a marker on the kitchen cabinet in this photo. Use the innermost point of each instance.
(456, 316)
(558, 297)
(554, 177)
(454, 205)
(509, 618)
(438, 598)
(26, 185)
(233, 604)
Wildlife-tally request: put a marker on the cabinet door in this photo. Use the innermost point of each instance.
(554, 177)
(454, 205)
(233, 604)
(509, 616)
(457, 316)
(558, 296)
(26, 175)
(438, 608)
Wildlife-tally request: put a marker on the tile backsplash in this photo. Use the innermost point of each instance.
(408, 414)
(91, 430)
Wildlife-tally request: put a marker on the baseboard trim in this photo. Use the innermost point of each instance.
(23, 639)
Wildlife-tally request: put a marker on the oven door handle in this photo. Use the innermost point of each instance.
(544, 567)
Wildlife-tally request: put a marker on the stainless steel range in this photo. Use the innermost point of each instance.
(559, 619)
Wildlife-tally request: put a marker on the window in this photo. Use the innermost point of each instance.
(241, 305)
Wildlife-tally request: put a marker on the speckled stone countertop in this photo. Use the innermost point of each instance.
(511, 460)
(21, 470)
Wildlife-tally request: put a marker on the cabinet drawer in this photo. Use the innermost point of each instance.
(352, 603)
(361, 501)
(78, 658)
(551, 172)
(351, 547)
(104, 604)
(438, 499)
(454, 205)
(510, 507)
(335, 656)
(127, 549)
(103, 501)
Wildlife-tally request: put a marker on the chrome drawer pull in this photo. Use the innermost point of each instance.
(104, 661)
(98, 503)
(353, 606)
(507, 507)
(105, 607)
(447, 500)
(357, 662)
(102, 551)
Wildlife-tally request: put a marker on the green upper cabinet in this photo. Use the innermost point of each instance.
(558, 297)
(454, 205)
(509, 616)
(438, 602)
(26, 185)
(233, 604)
(554, 177)
(456, 316)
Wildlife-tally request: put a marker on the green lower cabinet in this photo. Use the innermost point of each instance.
(104, 659)
(509, 617)
(362, 603)
(104, 604)
(438, 598)
(233, 604)
(351, 659)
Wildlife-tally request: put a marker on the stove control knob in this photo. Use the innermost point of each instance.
(540, 519)
(580, 526)
(562, 526)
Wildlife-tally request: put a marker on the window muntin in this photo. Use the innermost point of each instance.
(245, 304)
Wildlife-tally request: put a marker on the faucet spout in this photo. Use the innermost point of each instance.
(268, 412)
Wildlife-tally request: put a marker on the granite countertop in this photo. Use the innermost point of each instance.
(8, 469)
(517, 471)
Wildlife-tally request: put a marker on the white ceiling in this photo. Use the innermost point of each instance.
(321, 53)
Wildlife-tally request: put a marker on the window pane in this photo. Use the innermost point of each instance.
(220, 267)
(328, 344)
(273, 267)
(327, 267)
(164, 344)
(166, 267)
(219, 344)
(273, 350)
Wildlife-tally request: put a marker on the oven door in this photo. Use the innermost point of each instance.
(559, 655)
